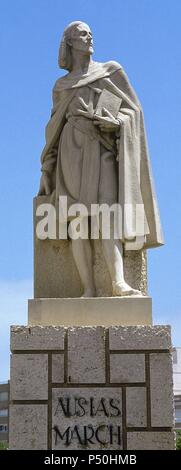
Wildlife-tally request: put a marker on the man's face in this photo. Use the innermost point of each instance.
(81, 39)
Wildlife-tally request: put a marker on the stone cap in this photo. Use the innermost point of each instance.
(97, 311)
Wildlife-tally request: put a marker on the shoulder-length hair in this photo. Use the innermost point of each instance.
(64, 56)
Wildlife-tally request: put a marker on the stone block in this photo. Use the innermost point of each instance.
(161, 385)
(58, 368)
(150, 440)
(127, 368)
(36, 337)
(136, 407)
(87, 418)
(140, 337)
(29, 377)
(105, 311)
(28, 427)
(86, 355)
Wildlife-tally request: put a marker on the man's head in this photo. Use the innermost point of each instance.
(77, 36)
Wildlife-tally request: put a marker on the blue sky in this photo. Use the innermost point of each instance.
(145, 37)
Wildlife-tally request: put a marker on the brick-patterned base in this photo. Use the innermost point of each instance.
(91, 388)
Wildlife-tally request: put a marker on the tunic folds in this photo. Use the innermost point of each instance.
(92, 166)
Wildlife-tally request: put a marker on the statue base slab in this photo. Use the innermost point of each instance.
(107, 311)
(91, 388)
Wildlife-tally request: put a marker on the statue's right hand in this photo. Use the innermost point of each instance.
(45, 185)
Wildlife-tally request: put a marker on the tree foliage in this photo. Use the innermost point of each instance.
(178, 445)
(3, 445)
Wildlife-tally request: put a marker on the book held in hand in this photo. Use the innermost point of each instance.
(109, 102)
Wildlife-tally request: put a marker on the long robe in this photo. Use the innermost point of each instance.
(132, 185)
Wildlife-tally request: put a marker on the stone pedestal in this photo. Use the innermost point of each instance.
(91, 388)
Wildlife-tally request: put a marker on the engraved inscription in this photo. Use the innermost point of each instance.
(87, 418)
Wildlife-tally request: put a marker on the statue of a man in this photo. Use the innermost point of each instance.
(96, 152)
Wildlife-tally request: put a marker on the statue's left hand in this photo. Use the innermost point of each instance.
(106, 123)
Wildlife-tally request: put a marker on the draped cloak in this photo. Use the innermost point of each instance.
(135, 182)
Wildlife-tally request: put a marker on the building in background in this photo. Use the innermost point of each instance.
(4, 412)
(177, 385)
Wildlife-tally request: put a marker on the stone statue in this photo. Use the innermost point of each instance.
(96, 153)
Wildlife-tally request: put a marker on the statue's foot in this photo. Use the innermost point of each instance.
(122, 288)
(88, 293)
